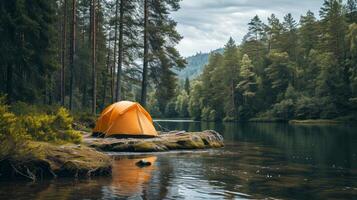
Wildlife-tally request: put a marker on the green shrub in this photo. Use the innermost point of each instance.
(51, 128)
(13, 136)
(63, 119)
(31, 122)
(70, 136)
(39, 127)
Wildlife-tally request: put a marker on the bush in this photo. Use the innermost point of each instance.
(32, 123)
(51, 128)
(13, 136)
(63, 119)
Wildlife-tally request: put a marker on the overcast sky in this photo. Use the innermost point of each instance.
(207, 24)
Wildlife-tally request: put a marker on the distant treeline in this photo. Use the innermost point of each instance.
(86, 54)
(282, 70)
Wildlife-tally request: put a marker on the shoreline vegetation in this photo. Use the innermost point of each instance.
(46, 142)
(341, 120)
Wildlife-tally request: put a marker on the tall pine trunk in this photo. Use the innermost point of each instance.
(115, 50)
(64, 42)
(109, 70)
(94, 82)
(120, 52)
(73, 52)
(145, 62)
(9, 85)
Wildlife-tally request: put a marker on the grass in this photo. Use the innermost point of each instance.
(52, 160)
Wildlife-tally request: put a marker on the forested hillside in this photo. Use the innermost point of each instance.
(86, 54)
(195, 65)
(286, 69)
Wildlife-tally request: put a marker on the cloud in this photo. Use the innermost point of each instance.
(207, 24)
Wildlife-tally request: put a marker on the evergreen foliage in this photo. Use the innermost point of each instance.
(36, 52)
(284, 70)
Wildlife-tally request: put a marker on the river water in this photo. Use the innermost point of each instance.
(259, 161)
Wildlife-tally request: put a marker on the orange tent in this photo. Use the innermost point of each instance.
(125, 118)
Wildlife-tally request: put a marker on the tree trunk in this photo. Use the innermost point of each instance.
(9, 82)
(73, 52)
(94, 82)
(120, 52)
(233, 100)
(145, 62)
(64, 42)
(115, 49)
(109, 70)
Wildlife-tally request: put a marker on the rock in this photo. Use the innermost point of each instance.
(51, 161)
(173, 140)
(143, 163)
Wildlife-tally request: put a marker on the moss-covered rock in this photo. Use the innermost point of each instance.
(50, 161)
(164, 142)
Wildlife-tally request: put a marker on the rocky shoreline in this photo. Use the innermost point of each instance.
(166, 141)
(88, 159)
(51, 161)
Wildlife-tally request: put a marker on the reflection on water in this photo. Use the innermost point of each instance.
(259, 161)
(129, 179)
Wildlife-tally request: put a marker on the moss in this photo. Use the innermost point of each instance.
(191, 144)
(144, 146)
(166, 141)
(49, 160)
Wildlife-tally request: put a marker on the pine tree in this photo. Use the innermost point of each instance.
(334, 28)
(351, 8)
(72, 53)
(94, 51)
(230, 78)
(120, 52)
(279, 71)
(144, 83)
(256, 28)
(187, 85)
(64, 50)
(274, 30)
(308, 32)
(289, 35)
(248, 78)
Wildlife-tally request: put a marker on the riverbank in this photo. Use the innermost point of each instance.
(49, 160)
(45, 160)
(315, 121)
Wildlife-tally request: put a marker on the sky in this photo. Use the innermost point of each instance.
(206, 25)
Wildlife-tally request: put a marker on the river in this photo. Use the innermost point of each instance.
(259, 161)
